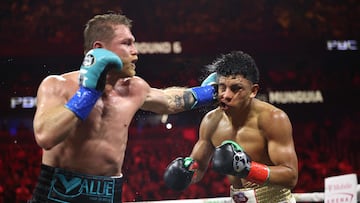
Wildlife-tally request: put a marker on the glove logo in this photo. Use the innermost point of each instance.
(239, 161)
(88, 60)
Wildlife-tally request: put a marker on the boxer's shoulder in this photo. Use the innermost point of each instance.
(132, 84)
(214, 116)
(63, 78)
(59, 85)
(134, 81)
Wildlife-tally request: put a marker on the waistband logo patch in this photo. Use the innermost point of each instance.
(65, 189)
(240, 197)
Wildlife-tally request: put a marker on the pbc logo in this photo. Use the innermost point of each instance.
(342, 45)
(23, 102)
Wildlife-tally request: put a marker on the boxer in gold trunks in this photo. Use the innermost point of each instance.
(244, 138)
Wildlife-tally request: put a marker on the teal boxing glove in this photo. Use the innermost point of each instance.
(92, 79)
(210, 80)
(207, 93)
(96, 64)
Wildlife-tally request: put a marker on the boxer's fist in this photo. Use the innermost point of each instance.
(210, 80)
(179, 173)
(92, 79)
(230, 159)
(96, 64)
(206, 94)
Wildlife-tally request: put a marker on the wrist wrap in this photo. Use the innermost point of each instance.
(83, 101)
(204, 95)
(259, 173)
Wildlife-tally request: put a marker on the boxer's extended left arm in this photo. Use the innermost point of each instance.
(179, 173)
(178, 99)
(230, 159)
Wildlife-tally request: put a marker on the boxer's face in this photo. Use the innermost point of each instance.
(235, 92)
(123, 44)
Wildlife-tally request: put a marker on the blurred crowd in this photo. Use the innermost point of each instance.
(59, 21)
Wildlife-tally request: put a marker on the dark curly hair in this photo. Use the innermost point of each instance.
(235, 63)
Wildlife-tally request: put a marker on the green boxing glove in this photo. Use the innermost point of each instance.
(92, 79)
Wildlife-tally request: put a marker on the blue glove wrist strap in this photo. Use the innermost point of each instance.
(83, 101)
(204, 95)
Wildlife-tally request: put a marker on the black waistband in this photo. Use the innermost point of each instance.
(59, 185)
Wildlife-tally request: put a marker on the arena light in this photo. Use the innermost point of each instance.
(169, 126)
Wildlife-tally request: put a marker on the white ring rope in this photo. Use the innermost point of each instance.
(300, 197)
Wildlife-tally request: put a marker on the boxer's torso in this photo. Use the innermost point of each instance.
(97, 145)
(248, 134)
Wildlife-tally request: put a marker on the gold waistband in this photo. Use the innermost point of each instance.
(267, 193)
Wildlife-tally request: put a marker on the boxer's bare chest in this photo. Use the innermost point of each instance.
(248, 135)
(123, 97)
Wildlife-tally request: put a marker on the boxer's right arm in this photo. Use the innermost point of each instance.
(53, 120)
(96, 64)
